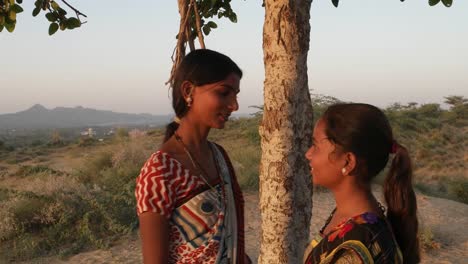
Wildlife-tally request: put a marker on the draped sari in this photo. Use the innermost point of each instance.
(206, 223)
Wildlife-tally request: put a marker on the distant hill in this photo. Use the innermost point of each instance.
(39, 117)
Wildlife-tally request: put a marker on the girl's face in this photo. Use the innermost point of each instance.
(325, 166)
(213, 103)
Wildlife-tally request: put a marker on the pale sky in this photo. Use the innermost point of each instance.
(379, 52)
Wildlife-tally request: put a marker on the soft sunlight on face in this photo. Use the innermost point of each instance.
(213, 103)
(325, 168)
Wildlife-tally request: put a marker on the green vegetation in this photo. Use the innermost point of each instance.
(45, 210)
(68, 213)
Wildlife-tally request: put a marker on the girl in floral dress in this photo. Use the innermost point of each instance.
(351, 145)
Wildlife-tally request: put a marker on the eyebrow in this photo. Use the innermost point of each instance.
(230, 87)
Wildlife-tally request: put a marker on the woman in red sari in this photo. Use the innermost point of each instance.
(189, 203)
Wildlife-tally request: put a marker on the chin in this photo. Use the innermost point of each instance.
(218, 125)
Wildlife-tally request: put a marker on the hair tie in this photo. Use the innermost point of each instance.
(177, 120)
(394, 147)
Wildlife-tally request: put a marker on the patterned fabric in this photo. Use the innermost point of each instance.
(365, 238)
(196, 212)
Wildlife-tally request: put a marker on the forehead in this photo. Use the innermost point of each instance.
(319, 129)
(232, 81)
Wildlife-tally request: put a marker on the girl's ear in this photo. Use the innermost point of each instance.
(187, 89)
(350, 163)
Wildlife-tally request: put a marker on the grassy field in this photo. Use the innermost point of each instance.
(67, 198)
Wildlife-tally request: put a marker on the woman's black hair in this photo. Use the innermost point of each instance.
(200, 67)
(364, 130)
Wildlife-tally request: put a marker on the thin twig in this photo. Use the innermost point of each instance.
(78, 13)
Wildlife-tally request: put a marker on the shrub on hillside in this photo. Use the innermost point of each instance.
(458, 189)
(28, 170)
(427, 240)
(86, 141)
(99, 208)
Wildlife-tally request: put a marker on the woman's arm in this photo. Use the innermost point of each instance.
(154, 232)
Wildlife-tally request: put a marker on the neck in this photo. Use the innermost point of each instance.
(352, 200)
(194, 135)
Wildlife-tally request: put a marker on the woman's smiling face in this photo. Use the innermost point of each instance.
(213, 103)
(325, 164)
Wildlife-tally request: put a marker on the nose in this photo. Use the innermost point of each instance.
(234, 105)
(308, 154)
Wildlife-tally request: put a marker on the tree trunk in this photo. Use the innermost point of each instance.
(285, 182)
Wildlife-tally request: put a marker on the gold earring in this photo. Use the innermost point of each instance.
(189, 102)
(343, 170)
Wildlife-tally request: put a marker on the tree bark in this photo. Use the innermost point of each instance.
(286, 128)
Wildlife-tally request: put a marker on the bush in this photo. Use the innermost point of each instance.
(458, 190)
(86, 142)
(28, 170)
(426, 239)
(92, 167)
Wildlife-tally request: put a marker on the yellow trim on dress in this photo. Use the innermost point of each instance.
(355, 245)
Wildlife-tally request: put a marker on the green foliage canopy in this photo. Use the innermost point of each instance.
(54, 13)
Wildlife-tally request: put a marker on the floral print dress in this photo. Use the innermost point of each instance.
(365, 238)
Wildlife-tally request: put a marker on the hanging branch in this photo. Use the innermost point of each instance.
(188, 33)
(181, 38)
(198, 22)
(193, 23)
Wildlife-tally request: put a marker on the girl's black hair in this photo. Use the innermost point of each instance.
(200, 67)
(365, 131)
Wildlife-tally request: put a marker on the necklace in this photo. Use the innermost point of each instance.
(195, 163)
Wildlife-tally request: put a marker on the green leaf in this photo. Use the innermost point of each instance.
(447, 3)
(38, 3)
(72, 23)
(12, 15)
(12, 2)
(53, 28)
(36, 11)
(213, 2)
(10, 27)
(54, 5)
(233, 17)
(433, 2)
(52, 17)
(1, 28)
(212, 24)
(17, 8)
(19, 1)
(206, 29)
(61, 12)
(2, 20)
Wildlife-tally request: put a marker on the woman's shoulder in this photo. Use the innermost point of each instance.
(368, 234)
(159, 162)
(362, 227)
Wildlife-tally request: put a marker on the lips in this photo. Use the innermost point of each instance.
(224, 117)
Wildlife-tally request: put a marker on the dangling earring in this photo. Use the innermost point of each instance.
(343, 170)
(189, 102)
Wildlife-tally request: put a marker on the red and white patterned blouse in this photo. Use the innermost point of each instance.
(194, 210)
